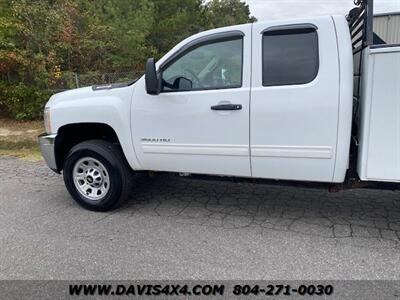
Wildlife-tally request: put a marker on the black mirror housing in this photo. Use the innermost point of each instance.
(153, 86)
(182, 84)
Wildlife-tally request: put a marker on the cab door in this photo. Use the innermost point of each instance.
(199, 123)
(294, 100)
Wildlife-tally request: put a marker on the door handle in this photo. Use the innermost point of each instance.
(227, 107)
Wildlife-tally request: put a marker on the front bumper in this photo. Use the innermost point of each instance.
(47, 142)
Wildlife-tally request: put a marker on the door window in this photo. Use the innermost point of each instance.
(215, 65)
(290, 56)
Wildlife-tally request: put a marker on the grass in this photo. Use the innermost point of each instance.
(19, 139)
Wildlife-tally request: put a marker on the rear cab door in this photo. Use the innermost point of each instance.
(294, 100)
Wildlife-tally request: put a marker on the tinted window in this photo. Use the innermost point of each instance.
(208, 66)
(290, 57)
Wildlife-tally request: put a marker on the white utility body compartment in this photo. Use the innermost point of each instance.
(379, 138)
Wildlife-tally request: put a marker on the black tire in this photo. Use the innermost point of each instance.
(114, 161)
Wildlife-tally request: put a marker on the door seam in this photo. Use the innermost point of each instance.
(250, 93)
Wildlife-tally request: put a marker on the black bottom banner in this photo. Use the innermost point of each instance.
(335, 289)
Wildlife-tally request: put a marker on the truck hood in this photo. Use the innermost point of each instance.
(70, 95)
(94, 92)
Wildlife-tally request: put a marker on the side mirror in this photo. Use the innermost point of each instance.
(151, 78)
(182, 84)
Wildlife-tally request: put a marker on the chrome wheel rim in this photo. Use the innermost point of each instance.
(91, 178)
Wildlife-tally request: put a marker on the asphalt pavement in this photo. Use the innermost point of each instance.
(183, 228)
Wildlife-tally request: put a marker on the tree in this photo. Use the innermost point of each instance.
(117, 31)
(222, 13)
(178, 19)
(42, 41)
(30, 39)
(175, 20)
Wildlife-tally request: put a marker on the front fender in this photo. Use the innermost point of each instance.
(111, 107)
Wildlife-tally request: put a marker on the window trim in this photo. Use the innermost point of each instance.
(285, 30)
(277, 30)
(199, 42)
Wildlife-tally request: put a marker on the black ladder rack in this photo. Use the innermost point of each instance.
(360, 21)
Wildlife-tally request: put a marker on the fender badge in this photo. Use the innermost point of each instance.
(156, 140)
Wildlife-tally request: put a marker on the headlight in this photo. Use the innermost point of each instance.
(47, 120)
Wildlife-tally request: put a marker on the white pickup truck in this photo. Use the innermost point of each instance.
(303, 100)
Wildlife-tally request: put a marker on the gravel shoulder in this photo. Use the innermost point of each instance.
(19, 139)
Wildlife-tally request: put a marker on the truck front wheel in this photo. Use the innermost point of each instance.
(97, 175)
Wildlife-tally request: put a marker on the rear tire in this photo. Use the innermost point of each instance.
(97, 175)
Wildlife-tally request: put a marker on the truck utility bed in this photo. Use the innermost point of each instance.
(376, 126)
(379, 135)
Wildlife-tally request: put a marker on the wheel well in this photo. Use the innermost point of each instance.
(72, 134)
